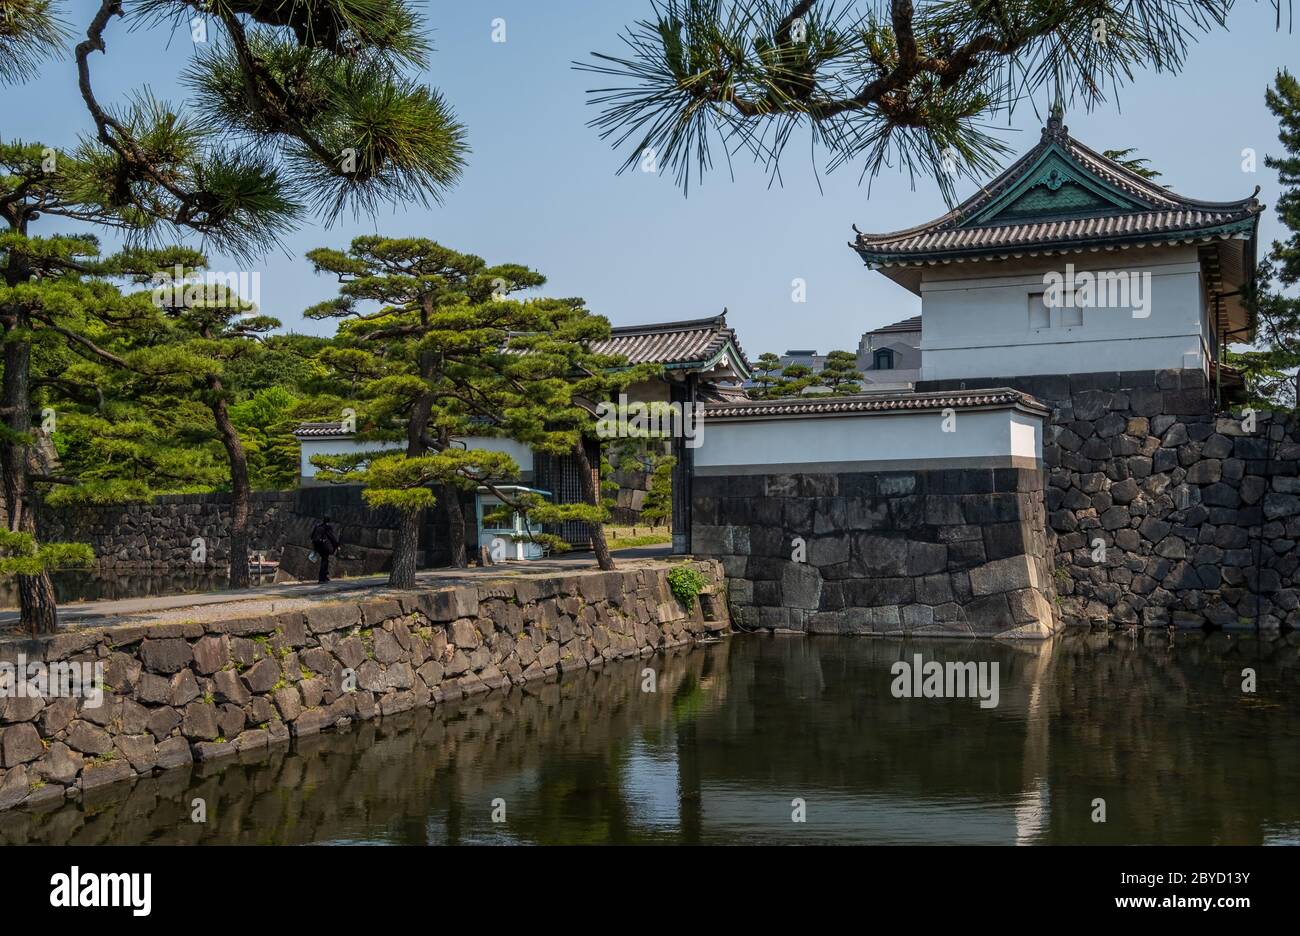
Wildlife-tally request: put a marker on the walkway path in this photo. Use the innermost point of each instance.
(291, 596)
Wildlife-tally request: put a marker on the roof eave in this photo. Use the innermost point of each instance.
(883, 260)
(995, 398)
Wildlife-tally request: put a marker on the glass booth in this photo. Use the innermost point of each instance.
(511, 541)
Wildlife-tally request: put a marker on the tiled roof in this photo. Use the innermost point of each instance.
(1144, 212)
(875, 403)
(673, 344)
(321, 430)
(711, 393)
(1045, 234)
(906, 325)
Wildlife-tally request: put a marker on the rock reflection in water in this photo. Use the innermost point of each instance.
(1159, 728)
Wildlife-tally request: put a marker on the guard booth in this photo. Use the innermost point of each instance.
(512, 539)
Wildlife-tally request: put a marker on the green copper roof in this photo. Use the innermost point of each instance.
(1058, 197)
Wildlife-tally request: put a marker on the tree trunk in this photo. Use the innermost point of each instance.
(39, 610)
(240, 489)
(407, 542)
(38, 613)
(455, 526)
(590, 492)
(405, 547)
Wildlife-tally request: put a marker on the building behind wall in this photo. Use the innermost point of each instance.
(805, 358)
(1165, 509)
(1086, 310)
(890, 357)
(1166, 273)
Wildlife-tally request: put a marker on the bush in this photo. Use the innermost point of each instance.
(687, 582)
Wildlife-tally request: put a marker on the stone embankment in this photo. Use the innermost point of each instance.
(175, 692)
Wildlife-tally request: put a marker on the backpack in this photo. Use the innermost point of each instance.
(320, 539)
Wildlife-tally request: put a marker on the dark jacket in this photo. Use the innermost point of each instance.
(323, 539)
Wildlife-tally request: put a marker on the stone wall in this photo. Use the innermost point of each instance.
(1164, 511)
(298, 789)
(181, 692)
(955, 551)
(633, 485)
(160, 534)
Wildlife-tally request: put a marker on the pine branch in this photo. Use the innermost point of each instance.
(912, 87)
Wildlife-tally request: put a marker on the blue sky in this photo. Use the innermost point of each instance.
(541, 190)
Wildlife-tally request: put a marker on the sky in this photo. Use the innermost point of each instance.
(541, 190)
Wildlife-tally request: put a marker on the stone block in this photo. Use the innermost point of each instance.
(452, 603)
(989, 614)
(1003, 575)
(19, 744)
(88, 739)
(926, 558)
(801, 587)
(101, 773)
(173, 753)
(139, 750)
(261, 676)
(211, 653)
(333, 615)
(200, 721)
(166, 656)
(61, 764)
(876, 555)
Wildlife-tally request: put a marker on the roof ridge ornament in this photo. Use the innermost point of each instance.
(1056, 130)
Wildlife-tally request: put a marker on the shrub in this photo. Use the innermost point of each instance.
(687, 582)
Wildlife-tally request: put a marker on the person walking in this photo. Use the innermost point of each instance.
(325, 542)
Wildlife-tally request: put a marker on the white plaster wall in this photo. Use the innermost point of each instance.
(1026, 435)
(522, 454)
(904, 438)
(308, 448)
(975, 318)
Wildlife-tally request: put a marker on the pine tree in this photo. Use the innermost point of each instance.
(1273, 367)
(198, 329)
(441, 349)
(767, 375)
(417, 320)
(297, 107)
(406, 483)
(840, 373)
(556, 394)
(658, 504)
(795, 378)
(265, 422)
(1139, 164)
(59, 305)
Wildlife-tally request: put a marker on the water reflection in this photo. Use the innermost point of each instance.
(736, 731)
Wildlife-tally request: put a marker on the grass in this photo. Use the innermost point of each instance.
(634, 541)
(623, 537)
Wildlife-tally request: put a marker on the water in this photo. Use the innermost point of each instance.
(1159, 729)
(74, 585)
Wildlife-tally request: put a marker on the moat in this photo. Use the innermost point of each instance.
(1155, 725)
